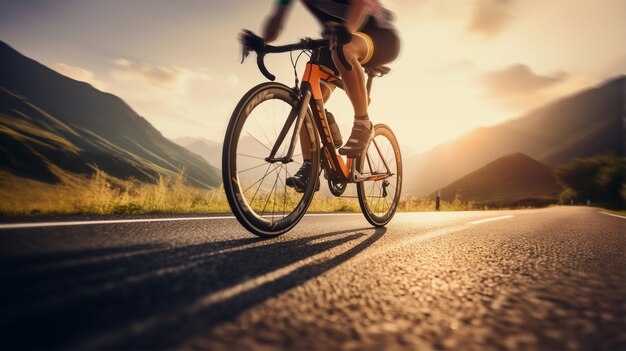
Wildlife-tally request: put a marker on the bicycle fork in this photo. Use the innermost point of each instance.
(297, 114)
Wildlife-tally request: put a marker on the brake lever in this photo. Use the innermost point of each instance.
(245, 52)
(248, 42)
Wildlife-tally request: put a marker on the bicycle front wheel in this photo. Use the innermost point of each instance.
(256, 187)
(379, 199)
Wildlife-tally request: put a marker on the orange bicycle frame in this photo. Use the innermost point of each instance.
(311, 97)
(311, 81)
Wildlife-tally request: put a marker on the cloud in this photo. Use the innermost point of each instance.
(490, 17)
(79, 74)
(178, 101)
(517, 86)
(154, 75)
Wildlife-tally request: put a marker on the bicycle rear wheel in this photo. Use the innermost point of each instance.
(256, 188)
(379, 199)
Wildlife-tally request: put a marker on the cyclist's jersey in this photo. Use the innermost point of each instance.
(336, 10)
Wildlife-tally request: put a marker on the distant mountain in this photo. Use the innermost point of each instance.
(585, 124)
(48, 120)
(512, 180)
(209, 150)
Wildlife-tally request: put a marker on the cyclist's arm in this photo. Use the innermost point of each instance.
(357, 12)
(274, 22)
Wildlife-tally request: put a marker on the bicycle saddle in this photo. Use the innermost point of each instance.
(378, 71)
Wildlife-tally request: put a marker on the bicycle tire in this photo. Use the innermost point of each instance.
(240, 137)
(376, 208)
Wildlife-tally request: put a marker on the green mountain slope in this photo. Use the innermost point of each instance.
(48, 120)
(512, 180)
(585, 124)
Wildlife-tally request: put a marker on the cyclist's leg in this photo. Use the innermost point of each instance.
(300, 179)
(358, 50)
(354, 80)
(371, 47)
(327, 90)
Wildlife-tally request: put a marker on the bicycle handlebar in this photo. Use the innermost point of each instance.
(251, 41)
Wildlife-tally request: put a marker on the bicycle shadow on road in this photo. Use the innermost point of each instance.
(93, 297)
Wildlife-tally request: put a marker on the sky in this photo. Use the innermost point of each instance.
(463, 63)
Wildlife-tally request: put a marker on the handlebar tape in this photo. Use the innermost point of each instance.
(261, 63)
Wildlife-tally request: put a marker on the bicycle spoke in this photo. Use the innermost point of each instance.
(286, 196)
(282, 110)
(274, 202)
(284, 193)
(387, 152)
(257, 140)
(377, 200)
(372, 189)
(380, 158)
(386, 203)
(250, 156)
(368, 158)
(260, 179)
(286, 188)
(261, 128)
(268, 198)
(259, 187)
(251, 168)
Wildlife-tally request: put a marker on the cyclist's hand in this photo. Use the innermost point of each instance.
(337, 33)
(251, 41)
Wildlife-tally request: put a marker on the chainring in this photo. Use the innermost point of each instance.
(337, 188)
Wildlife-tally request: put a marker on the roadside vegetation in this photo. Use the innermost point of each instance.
(103, 194)
(599, 180)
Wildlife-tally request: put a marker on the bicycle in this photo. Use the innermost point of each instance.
(261, 139)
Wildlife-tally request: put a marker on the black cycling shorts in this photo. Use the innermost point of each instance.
(383, 46)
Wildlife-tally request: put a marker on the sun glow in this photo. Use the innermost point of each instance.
(184, 75)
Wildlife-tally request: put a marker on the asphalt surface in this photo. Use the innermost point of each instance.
(552, 279)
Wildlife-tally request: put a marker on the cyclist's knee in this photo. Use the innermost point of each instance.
(354, 51)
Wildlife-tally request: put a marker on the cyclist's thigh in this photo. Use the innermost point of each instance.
(386, 44)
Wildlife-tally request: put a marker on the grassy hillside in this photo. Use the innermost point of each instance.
(585, 124)
(513, 180)
(47, 119)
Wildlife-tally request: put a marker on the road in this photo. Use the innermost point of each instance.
(528, 279)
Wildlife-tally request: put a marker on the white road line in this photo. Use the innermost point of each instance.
(612, 215)
(491, 219)
(144, 220)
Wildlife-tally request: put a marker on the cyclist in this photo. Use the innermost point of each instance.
(373, 41)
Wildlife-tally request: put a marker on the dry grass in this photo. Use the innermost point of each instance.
(414, 204)
(103, 194)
